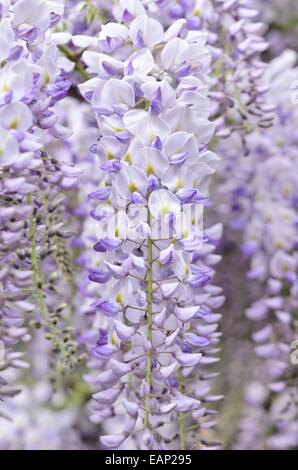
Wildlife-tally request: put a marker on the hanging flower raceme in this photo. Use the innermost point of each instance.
(36, 417)
(239, 94)
(32, 231)
(234, 36)
(155, 309)
(263, 198)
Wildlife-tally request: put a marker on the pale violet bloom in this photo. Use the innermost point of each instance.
(9, 149)
(7, 37)
(115, 95)
(162, 202)
(16, 116)
(145, 32)
(283, 265)
(151, 161)
(15, 82)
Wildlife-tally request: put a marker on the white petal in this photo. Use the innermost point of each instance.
(152, 31)
(81, 40)
(151, 127)
(174, 53)
(16, 116)
(129, 180)
(151, 161)
(163, 202)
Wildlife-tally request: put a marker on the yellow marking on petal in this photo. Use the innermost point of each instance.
(4, 88)
(150, 170)
(119, 298)
(46, 78)
(1, 151)
(279, 245)
(116, 232)
(127, 158)
(113, 339)
(110, 156)
(180, 184)
(287, 216)
(14, 124)
(197, 12)
(132, 187)
(165, 210)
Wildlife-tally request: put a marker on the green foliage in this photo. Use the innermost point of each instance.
(92, 11)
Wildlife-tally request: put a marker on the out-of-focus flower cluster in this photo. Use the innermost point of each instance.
(282, 20)
(36, 188)
(262, 199)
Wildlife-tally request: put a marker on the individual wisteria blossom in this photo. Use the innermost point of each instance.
(157, 322)
(263, 203)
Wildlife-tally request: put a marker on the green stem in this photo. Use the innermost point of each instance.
(35, 265)
(78, 66)
(149, 319)
(286, 27)
(181, 416)
(37, 281)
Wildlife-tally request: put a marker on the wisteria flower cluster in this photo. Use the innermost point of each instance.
(263, 202)
(148, 243)
(33, 184)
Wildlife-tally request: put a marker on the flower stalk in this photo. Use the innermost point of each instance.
(73, 57)
(37, 284)
(181, 416)
(149, 320)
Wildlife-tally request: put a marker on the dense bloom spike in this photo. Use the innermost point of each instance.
(141, 119)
